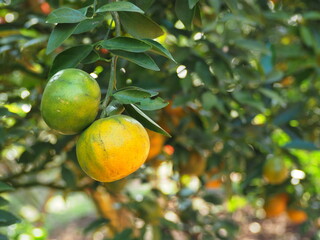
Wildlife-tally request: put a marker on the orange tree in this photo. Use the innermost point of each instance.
(242, 79)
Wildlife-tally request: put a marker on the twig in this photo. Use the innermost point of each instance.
(112, 79)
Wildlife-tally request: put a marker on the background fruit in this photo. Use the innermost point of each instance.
(175, 113)
(214, 183)
(112, 148)
(275, 170)
(276, 205)
(297, 216)
(156, 144)
(70, 101)
(194, 166)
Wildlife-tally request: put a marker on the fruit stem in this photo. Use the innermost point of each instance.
(112, 79)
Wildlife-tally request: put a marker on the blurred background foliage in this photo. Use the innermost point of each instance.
(245, 89)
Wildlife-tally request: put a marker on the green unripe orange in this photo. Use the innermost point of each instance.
(70, 101)
(275, 170)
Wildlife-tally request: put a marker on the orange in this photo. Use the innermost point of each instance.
(212, 184)
(275, 170)
(196, 165)
(112, 148)
(297, 216)
(156, 144)
(176, 113)
(70, 101)
(276, 205)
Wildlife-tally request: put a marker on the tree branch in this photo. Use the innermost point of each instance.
(112, 79)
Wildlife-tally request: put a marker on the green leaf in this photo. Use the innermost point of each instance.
(301, 144)
(288, 114)
(274, 76)
(7, 218)
(272, 95)
(59, 34)
(5, 112)
(68, 176)
(33, 154)
(3, 202)
(147, 122)
(143, 4)
(232, 4)
(252, 45)
(120, 7)
(129, 96)
(311, 15)
(152, 93)
(151, 104)
(84, 10)
(65, 15)
(125, 234)
(306, 36)
(159, 49)
(140, 59)
(246, 98)
(210, 100)
(139, 25)
(192, 3)
(95, 225)
(184, 13)
(213, 198)
(125, 44)
(88, 25)
(202, 70)
(114, 108)
(70, 58)
(5, 187)
(91, 58)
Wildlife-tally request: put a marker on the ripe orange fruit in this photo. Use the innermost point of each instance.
(70, 101)
(276, 205)
(297, 216)
(176, 113)
(156, 144)
(196, 165)
(213, 184)
(112, 148)
(275, 170)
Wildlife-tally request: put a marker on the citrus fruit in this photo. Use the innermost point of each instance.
(176, 113)
(194, 166)
(213, 184)
(156, 144)
(276, 205)
(112, 148)
(275, 170)
(297, 216)
(70, 101)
